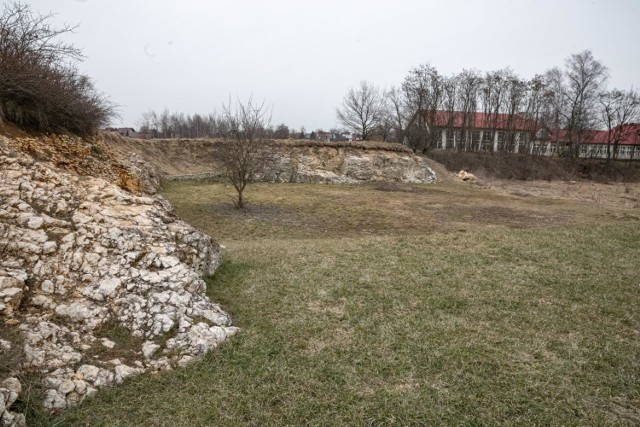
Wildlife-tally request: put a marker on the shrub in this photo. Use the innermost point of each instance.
(40, 87)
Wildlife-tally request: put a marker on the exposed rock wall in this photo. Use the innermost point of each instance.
(101, 283)
(291, 161)
(91, 157)
(329, 164)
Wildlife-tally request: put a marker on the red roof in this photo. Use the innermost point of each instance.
(628, 134)
(484, 121)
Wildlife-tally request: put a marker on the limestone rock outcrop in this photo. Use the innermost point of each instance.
(96, 283)
(290, 161)
(345, 165)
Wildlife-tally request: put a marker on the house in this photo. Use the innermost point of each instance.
(349, 136)
(323, 136)
(517, 133)
(126, 131)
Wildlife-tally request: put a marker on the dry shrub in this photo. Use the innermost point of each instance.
(41, 88)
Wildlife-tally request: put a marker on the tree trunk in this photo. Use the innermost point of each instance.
(240, 202)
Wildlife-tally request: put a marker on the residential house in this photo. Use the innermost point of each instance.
(126, 131)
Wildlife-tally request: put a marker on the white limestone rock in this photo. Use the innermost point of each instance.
(123, 371)
(98, 260)
(149, 348)
(54, 400)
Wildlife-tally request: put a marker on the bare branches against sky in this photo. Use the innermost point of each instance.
(303, 56)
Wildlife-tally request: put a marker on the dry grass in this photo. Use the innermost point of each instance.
(415, 305)
(311, 210)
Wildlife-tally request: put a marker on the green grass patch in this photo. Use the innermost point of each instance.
(379, 318)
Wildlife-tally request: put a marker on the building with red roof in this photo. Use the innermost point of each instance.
(518, 133)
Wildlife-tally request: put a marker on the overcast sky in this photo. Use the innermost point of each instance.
(302, 56)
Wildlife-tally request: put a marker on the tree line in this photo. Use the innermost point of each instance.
(573, 99)
(168, 124)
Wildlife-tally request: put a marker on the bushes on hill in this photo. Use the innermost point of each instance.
(40, 87)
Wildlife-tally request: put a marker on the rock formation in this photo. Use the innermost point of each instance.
(291, 161)
(96, 283)
(345, 165)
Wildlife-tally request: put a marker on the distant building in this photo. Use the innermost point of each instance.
(323, 136)
(594, 143)
(516, 133)
(130, 132)
(350, 136)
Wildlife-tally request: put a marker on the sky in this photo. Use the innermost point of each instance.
(301, 57)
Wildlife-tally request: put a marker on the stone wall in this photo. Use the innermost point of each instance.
(98, 283)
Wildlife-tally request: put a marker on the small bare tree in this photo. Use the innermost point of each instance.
(362, 109)
(243, 151)
(396, 112)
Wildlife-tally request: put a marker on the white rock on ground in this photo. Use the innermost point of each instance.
(82, 258)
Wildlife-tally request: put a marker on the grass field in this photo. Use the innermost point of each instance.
(394, 305)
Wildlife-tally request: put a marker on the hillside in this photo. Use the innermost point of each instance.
(293, 161)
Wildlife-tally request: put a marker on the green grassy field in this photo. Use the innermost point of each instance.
(385, 305)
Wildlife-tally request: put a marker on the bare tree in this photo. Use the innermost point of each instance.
(281, 132)
(579, 87)
(469, 82)
(423, 90)
(396, 114)
(362, 109)
(618, 109)
(243, 151)
(535, 111)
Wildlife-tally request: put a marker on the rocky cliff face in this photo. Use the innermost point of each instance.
(344, 164)
(290, 161)
(96, 283)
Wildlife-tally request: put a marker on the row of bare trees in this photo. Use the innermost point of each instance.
(214, 125)
(40, 86)
(573, 99)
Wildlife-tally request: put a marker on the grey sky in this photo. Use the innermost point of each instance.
(301, 56)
